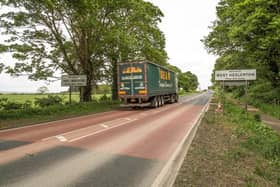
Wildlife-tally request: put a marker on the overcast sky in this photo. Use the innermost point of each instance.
(184, 25)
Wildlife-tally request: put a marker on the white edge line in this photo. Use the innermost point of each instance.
(167, 166)
(97, 132)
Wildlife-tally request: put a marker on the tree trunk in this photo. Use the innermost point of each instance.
(115, 95)
(85, 94)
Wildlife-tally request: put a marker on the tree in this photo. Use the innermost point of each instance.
(188, 81)
(80, 37)
(135, 37)
(43, 89)
(246, 35)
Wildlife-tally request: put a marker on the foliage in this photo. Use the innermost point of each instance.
(80, 37)
(271, 109)
(48, 101)
(36, 115)
(5, 104)
(188, 81)
(245, 35)
(1, 67)
(257, 136)
(105, 98)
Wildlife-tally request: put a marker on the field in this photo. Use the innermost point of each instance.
(21, 98)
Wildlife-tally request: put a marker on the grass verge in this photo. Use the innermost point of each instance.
(232, 150)
(18, 118)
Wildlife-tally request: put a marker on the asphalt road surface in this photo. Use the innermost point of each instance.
(118, 148)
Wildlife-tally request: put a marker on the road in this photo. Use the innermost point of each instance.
(117, 148)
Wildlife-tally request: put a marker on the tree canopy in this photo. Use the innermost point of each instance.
(80, 37)
(188, 81)
(246, 34)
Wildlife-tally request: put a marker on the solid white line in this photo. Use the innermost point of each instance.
(163, 173)
(97, 132)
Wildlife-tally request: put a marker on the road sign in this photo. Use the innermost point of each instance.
(235, 83)
(231, 75)
(73, 80)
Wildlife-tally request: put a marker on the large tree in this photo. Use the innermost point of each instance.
(134, 37)
(246, 34)
(80, 36)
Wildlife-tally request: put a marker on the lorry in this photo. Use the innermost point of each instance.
(146, 84)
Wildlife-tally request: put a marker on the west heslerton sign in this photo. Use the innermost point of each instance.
(234, 75)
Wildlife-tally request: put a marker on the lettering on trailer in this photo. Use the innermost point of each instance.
(224, 75)
(165, 85)
(132, 77)
(164, 75)
(129, 70)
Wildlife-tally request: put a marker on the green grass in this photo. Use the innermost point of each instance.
(258, 138)
(17, 118)
(273, 110)
(21, 98)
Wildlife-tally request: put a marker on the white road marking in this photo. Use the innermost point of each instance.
(81, 129)
(97, 132)
(61, 138)
(103, 125)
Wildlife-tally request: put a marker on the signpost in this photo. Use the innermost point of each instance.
(73, 80)
(236, 78)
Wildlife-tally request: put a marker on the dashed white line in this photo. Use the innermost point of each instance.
(61, 138)
(103, 125)
(97, 132)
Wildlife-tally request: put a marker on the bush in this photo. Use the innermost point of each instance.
(5, 104)
(48, 101)
(104, 98)
(257, 117)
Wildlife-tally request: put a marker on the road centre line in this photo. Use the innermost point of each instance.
(120, 119)
(103, 125)
(100, 131)
(61, 138)
(77, 130)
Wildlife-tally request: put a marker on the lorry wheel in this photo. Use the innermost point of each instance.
(159, 101)
(162, 100)
(155, 102)
(172, 99)
(176, 98)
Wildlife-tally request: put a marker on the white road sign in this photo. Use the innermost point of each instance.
(73, 80)
(230, 75)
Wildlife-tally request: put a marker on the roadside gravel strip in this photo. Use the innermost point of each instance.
(168, 174)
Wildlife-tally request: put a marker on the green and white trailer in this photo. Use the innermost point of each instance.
(142, 84)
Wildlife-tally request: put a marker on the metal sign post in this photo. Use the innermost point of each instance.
(246, 96)
(73, 80)
(70, 94)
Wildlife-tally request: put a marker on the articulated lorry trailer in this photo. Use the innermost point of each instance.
(143, 84)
